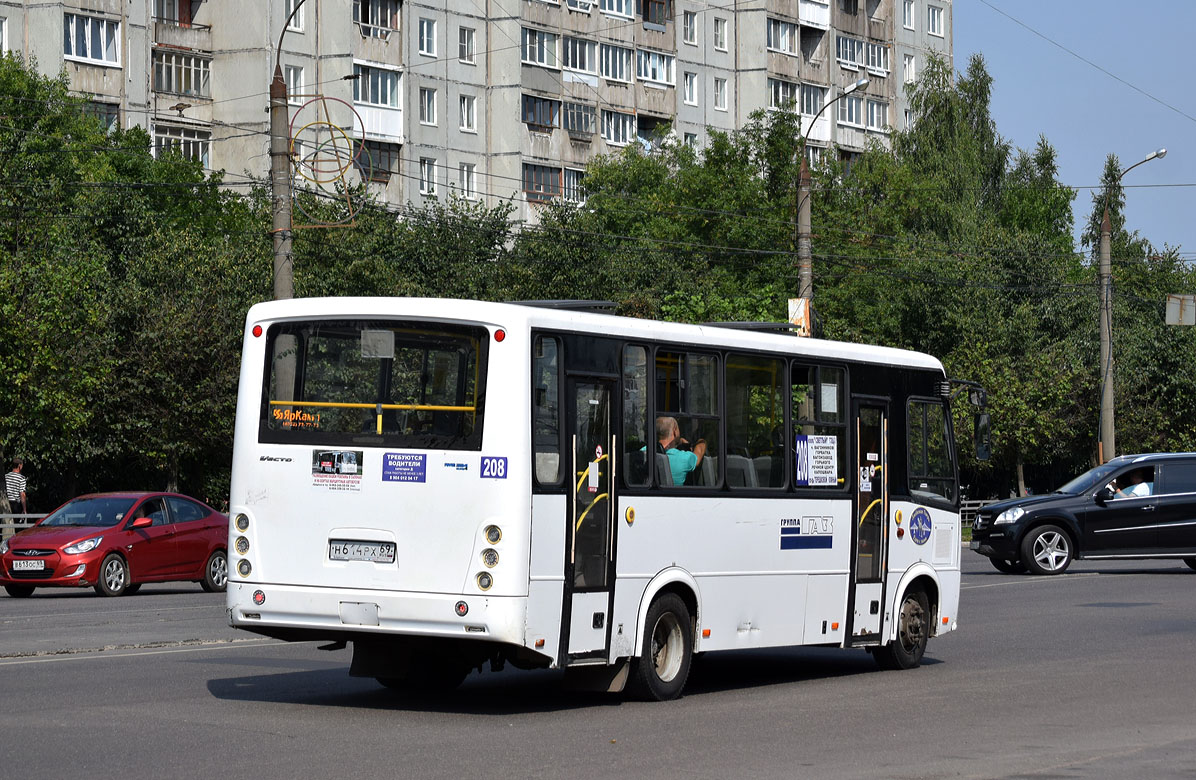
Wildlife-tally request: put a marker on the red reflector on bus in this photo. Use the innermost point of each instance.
(462, 608)
(257, 331)
(259, 597)
(945, 620)
(500, 334)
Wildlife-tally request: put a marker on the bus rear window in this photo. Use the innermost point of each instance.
(375, 383)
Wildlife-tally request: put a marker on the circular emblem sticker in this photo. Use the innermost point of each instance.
(919, 526)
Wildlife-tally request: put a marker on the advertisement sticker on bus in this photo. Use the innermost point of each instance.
(920, 526)
(807, 533)
(404, 467)
(337, 469)
(817, 459)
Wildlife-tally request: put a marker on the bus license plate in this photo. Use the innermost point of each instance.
(28, 565)
(351, 550)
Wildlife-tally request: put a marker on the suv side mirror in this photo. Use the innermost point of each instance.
(1104, 495)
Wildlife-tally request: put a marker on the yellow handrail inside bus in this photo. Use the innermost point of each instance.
(409, 407)
(588, 508)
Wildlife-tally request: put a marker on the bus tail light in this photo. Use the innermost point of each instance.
(242, 545)
(485, 581)
(244, 567)
(493, 534)
(490, 557)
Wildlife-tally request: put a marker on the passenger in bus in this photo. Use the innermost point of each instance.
(681, 461)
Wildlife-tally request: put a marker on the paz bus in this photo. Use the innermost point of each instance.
(512, 501)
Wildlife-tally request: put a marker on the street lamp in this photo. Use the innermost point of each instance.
(280, 173)
(805, 255)
(1107, 446)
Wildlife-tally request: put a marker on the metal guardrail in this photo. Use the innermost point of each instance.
(969, 508)
(10, 524)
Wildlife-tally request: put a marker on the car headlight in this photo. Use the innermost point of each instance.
(87, 545)
(1009, 516)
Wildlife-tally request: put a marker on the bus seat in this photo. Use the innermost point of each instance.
(709, 469)
(768, 470)
(741, 472)
(636, 467)
(664, 473)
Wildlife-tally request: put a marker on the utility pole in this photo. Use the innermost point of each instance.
(280, 186)
(1108, 446)
(805, 252)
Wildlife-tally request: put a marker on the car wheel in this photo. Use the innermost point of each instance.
(215, 573)
(1007, 567)
(913, 630)
(1047, 550)
(660, 672)
(114, 576)
(19, 591)
(1191, 562)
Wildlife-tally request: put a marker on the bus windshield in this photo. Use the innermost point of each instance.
(380, 383)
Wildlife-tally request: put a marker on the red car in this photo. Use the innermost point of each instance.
(114, 542)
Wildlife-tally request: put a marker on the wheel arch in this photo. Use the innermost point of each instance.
(128, 565)
(920, 576)
(671, 580)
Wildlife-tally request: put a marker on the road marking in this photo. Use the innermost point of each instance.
(1031, 580)
(92, 654)
(105, 612)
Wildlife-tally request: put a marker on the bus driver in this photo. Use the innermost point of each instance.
(681, 461)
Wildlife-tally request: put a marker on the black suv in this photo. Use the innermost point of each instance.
(1134, 506)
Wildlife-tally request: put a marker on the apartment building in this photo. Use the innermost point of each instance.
(489, 100)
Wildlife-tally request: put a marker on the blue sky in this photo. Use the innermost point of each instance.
(1038, 88)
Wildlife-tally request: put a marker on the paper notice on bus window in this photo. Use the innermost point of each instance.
(817, 459)
(830, 398)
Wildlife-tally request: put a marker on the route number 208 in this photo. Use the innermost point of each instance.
(494, 468)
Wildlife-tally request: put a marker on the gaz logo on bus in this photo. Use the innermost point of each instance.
(807, 533)
(494, 468)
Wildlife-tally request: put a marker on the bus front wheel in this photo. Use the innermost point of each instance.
(660, 672)
(913, 629)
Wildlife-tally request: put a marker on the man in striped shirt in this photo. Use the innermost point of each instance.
(14, 487)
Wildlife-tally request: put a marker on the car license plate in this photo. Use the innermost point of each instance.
(353, 550)
(975, 545)
(28, 565)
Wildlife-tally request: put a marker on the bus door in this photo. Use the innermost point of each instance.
(589, 539)
(871, 511)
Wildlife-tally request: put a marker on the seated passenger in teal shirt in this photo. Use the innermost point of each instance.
(681, 462)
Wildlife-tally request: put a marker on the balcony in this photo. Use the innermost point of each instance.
(186, 36)
(378, 123)
(819, 132)
(814, 13)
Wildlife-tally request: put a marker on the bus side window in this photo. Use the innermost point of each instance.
(818, 398)
(546, 427)
(687, 391)
(930, 466)
(637, 438)
(755, 422)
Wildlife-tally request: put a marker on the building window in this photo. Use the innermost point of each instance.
(541, 112)
(934, 20)
(878, 115)
(617, 7)
(655, 11)
(296, 22)
(541, 182)
(812, 98)
(427, 175)
(720, 34)
(581, 118)
(691, 140)
(468, 114)
(376, 18)
(814, 155)
(720, 94)
(294, 78)
(571, 191)
(849, 52)
(377, 161)
(539, 47)
(107, 114)
(427, 106)
(690, 83)
(91, 38)
(375, 86)
(580, 55)
(878, 59)
(782, 36)
(654, 67)
(468, 178)
(909, 68)
(618, 128)
(173, 12)
(851, 111)
(689, 27)
(909, 119)
(583, 6)
(182, 74)
(427, 37)
(782, 94)
(187, 141)
(907, 14)
(615, 62)
(465, 44)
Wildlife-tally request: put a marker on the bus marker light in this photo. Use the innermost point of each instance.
(705, 633)
(898, 518)
(834, 626)
(257, 331)
(539, 643)
(630, 515)
(900, 533)
(461, 609)
(946, 620)
(500, 334)
(259, 597)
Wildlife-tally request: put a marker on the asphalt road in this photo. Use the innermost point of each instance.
(1090, 674)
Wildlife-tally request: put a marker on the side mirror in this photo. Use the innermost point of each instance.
(142, 522)
(1104, 495)
(982, 435)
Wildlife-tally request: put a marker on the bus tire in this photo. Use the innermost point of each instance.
(660, 672)
(114, 576)
(913, 629)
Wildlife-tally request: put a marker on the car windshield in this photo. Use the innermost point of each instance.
(1088, 480)
(101, 512)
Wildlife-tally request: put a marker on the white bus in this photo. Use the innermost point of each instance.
(513, 503)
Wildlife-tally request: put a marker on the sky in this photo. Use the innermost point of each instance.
(1086, 114)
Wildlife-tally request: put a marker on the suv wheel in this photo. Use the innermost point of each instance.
(1047, 550)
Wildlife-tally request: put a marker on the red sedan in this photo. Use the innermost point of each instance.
(114, 542)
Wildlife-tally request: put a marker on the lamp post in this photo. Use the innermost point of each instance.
(1107, 446)
(805, 254)
(280, 173)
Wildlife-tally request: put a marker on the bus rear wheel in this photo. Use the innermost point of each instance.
(913, 629)
(659, 674)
